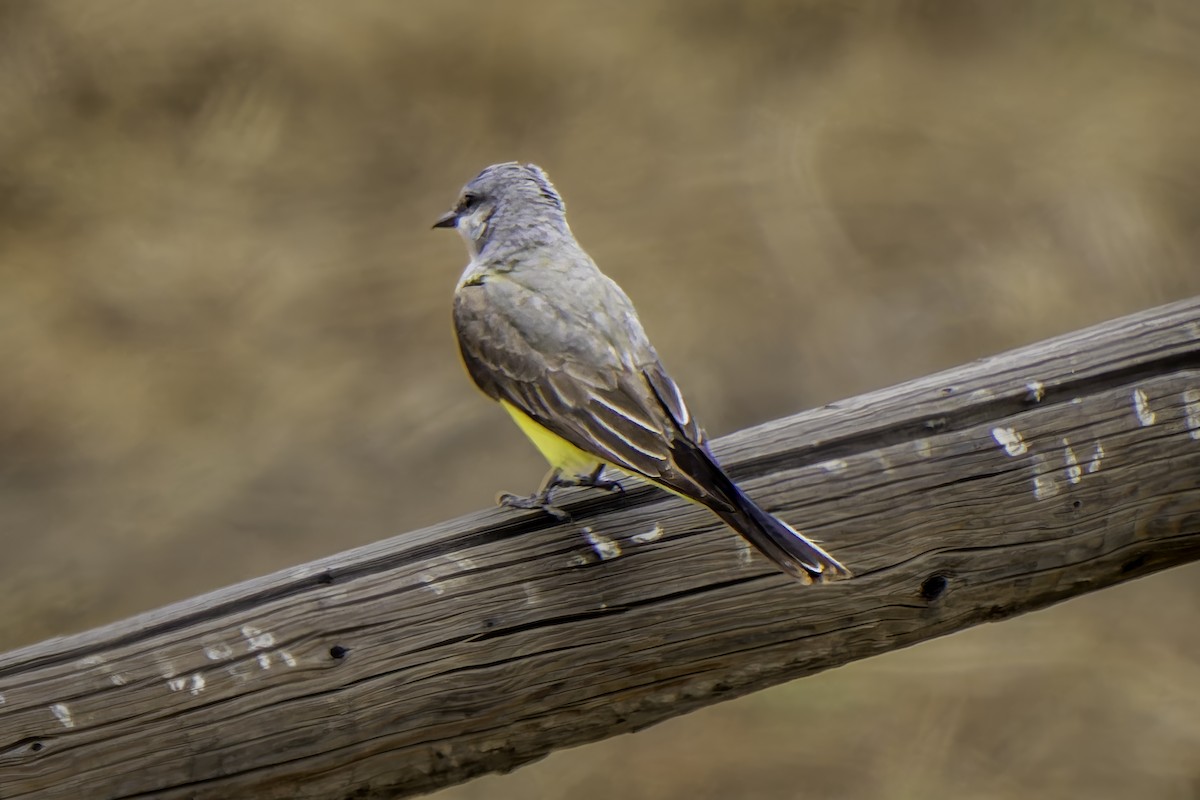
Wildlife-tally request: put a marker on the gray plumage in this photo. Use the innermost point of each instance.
(541, 328)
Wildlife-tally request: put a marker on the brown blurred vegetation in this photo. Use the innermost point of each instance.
(225, 345)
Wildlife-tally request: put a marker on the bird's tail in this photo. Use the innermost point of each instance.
(791, 550)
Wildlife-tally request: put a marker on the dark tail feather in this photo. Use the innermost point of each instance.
(707, 483)
(780, 542)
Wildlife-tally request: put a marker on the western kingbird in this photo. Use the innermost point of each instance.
(560, 346)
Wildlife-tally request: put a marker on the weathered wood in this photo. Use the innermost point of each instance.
(484, 643)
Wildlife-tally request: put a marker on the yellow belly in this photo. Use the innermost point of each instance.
(558, 451)
(568, 458)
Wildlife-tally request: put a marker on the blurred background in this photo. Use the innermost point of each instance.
(225, 341)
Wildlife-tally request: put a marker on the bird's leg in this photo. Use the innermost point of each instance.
(539, 499)
(594, 479)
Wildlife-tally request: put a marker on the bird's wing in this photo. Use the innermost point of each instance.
(584, 379)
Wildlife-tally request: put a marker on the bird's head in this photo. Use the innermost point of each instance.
(516, 201)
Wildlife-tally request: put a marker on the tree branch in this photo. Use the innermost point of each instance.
(484, 643)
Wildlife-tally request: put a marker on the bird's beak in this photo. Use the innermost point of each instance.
(447, 220)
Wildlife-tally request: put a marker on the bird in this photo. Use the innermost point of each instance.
(559, 345)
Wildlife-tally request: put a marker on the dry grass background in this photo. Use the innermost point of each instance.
(224, 322)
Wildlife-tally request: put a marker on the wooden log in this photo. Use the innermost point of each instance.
(484, 643)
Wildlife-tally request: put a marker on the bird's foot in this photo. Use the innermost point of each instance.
(538, 501)
(594, 480)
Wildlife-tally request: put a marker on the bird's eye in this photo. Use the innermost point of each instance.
(468, 200)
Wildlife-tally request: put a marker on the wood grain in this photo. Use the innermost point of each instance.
(484, 643)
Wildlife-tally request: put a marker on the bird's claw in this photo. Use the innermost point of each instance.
(596, 480)
(539, 502)
(605, 484)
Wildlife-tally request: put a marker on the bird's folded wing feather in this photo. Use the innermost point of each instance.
(578, 377)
